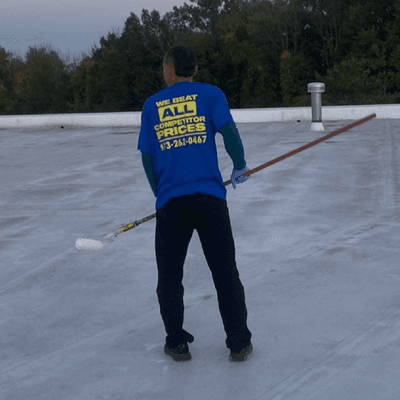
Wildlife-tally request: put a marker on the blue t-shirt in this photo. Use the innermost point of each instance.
(178, 129)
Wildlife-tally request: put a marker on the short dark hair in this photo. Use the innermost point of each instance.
(183, 59)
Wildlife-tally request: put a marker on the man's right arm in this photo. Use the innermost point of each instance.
(147, 161)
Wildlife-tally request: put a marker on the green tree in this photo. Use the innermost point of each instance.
(294, 79)
(393, 54)
(110, 75)
(206, 13)
(326, 18)
(247, 74)
(41, 83)
(362, 74)
(260, 53)
(142, 54)
(7, 97)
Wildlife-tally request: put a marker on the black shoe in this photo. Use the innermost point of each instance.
(178, 353)
(240, 354)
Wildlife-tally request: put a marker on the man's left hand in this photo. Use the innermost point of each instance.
(237, 176)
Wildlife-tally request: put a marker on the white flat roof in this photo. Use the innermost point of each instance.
(317, 248)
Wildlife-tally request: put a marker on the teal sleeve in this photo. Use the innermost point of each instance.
(233, 145)
(147, 161)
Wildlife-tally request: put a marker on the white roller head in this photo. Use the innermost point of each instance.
(88, 244)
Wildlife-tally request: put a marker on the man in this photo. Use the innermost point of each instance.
(177, 142)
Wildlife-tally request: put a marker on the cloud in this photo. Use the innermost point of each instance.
(34, 39)
(10, 39)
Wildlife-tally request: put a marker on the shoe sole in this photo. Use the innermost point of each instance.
(239, 357)
(178, 357)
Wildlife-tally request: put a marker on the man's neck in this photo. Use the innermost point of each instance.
(182, 80)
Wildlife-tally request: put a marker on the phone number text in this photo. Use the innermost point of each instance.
(175, 143)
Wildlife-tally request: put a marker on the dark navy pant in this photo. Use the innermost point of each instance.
(176, 222)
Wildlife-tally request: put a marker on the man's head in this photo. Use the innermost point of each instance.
(179, 64)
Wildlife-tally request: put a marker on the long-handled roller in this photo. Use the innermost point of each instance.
(90, 244)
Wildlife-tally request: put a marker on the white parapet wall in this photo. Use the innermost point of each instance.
(121, 119)
(329, 113)
(71, 120)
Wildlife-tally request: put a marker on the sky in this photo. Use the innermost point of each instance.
(70, 27)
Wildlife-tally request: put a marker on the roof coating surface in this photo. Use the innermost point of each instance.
(317, 248)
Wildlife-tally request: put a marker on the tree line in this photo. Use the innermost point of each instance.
(261, 53)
